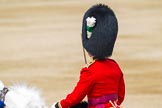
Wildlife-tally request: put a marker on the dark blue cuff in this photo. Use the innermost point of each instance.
(2, 104)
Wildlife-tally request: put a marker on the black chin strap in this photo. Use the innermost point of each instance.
(3, 94)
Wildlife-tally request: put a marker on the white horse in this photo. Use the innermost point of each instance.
(21, 96)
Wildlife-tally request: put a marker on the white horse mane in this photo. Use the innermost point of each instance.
(23, 96)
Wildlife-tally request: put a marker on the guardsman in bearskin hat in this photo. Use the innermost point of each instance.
(101, 81)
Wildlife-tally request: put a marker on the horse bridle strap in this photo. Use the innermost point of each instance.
(3, 94)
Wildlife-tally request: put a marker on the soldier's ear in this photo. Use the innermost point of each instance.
(1, 85)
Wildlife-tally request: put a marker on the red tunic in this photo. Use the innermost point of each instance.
(101, 78)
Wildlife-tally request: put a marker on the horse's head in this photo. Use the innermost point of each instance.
(23, 96)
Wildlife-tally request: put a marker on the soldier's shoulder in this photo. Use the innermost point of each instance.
(89, 64)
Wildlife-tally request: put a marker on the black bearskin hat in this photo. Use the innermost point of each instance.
(103, 34)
